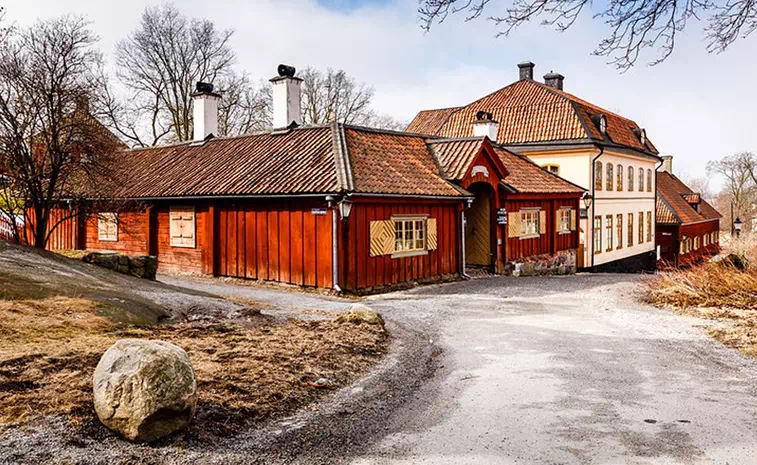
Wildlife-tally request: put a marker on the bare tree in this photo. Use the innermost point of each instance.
(740, 188)
(635, 25)
(52, 151)
(244, 107)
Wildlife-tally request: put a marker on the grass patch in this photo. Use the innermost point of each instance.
(247, 370)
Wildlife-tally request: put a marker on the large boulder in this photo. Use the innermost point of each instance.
(145, 390)
(360, 313)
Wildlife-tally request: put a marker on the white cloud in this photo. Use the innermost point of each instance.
(696, 106)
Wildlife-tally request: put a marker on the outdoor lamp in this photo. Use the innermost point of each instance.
(587, 200)
(345, 208)
(737, 224)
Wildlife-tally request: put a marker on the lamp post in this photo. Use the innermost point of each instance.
(587, 201)
(737, 225)
(345, 208)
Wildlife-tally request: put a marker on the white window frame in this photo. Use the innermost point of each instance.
(609, 232)
(104, 220)
(564, 216)
(529, 217)
(418, 231)
(183, 209)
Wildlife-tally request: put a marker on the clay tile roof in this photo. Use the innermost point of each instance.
(455, 156)
(532, 112)
(386, 162)
(300, 161)
(673, 205)
(430, 121)
(527, 177)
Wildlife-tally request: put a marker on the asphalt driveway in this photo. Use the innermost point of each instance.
(554, 370)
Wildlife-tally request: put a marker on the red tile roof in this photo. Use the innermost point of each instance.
(385, 162)
(455, 156)
(532, 112)
(673, 205)
(528, 177)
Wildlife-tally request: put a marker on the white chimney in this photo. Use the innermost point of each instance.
(485, 126)
(205, 112)
(287, 111)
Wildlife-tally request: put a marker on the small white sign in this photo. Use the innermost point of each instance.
(318, 211)
(479, 169)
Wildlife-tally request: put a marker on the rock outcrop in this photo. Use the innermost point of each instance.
(140, 266)
(145, 390)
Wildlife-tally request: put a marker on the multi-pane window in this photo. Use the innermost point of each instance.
(107, 227)
(552, 168)
(597, 234)
(682, 247)
(619, 227)
(696, 243)
(630, 230)
(610, 176)
(641, 179)
(182, 226)
(529, 223)
(641, 227)
(649, 226)
(619, 183)
(630, 179)
(705, 240)
(608, 232)
(598, 175)
(409, 234)
(564, 220)
(649, 180)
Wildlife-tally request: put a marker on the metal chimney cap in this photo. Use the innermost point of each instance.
(286, 70)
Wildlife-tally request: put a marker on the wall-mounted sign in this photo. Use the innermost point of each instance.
(501, 219)
(479, 169)
(318, 211)
(502, 211)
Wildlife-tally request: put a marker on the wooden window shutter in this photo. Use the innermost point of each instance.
(182, 227)
(432, 240)
(542, 222)
(382, 238)
(513, 224)
(572, 220)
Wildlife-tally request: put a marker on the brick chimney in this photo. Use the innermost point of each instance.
(667, 163)
(287, 109)
(554, 80)
(484, 125)
(526, 69)
(205, 111)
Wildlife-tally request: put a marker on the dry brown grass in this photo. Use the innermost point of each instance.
(706, 285)
(246, 370)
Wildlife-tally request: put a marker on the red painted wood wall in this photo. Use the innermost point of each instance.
(132, 234)
(63, 226)
(278, 241)
(358, 270)
(671, 242)
(548, 243)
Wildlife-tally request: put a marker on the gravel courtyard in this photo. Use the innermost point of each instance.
(568, 370)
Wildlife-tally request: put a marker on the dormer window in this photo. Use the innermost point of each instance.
(643, 137)
(601, 122)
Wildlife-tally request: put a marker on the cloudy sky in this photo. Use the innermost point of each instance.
(695, 106)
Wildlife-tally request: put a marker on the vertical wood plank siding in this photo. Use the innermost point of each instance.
(521, 248)
(358, 270)
(65, 233)
(276, 241)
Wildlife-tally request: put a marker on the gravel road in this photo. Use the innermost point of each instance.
(553, 370)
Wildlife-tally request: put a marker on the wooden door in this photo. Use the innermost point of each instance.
(478, 231)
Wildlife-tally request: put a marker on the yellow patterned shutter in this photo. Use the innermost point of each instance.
(431, 241)
(542, 222)
(513, 224)
(572, 220)
(382, 238)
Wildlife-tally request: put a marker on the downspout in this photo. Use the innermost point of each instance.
(462, 242)
(656, 247)
(590, 220)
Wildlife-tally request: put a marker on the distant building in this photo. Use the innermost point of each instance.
(688, 228)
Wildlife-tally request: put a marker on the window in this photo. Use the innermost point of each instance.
(641, 179)
(630, 179)
(409, 234)
(598, 175)
(552, 168)
(641, 227)
(107, 227)
(630, 230)
(649, 226)
(564, 221)
(649, 180)
(610, 176)
(705, 240)
(608, 232)
(597, 234)
(619, 227)
(182, 227)
(682, 247)
(529, 223)
(696, 243)
(619, 183)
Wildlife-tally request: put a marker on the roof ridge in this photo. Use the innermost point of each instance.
(386, 131)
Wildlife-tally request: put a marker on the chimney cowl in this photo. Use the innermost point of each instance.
(554, 80)
(526, 69)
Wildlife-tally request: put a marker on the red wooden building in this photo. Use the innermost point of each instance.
(688, 228)
(337, 206)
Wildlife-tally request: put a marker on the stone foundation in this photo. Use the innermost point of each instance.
(140, 266)
(563, 262)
